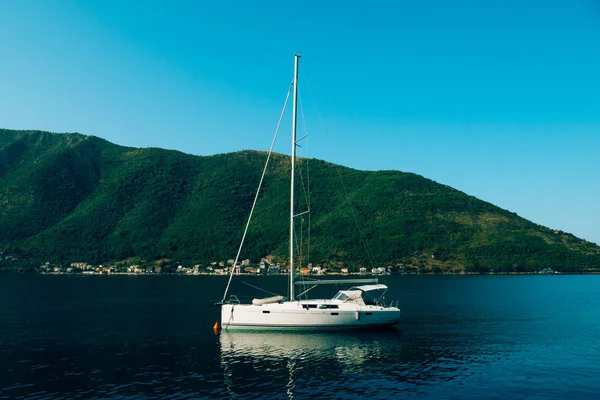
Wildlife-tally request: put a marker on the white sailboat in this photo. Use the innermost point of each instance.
(358, 307)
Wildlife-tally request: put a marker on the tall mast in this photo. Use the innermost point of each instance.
(294, 118)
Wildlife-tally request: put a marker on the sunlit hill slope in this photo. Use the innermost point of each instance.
(71, 197)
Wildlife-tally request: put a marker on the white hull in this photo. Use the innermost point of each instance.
(296, 315)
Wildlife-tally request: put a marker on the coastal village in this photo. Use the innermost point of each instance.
(266, 266)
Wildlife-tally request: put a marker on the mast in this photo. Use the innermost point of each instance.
(294, 118)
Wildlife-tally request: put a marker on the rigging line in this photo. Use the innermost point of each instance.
(307, 290)
(262, 290)
(302, 280)
(299, 254)
(298, 248)
(300, 165)
(257, 192)
(360, 232)
(300, 238)
(306, 187)
(308, 259)
(338, 169)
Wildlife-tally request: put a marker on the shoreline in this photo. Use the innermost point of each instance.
(336, 274)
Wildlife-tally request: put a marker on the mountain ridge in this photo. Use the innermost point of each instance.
(72, 197)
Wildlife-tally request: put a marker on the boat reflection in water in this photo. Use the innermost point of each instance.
(292, 363)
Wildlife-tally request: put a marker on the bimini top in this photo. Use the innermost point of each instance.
(355, 294)
(368, 288)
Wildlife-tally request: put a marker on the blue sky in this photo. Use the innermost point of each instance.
(499, 99)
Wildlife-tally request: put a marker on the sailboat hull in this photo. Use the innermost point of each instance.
(298, 316)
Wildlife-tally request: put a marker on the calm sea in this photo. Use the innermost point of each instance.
(461, 337)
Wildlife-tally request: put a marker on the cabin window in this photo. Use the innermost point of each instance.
(368, 313)
(266, 312)
(334, 313)
(307, 306)
(325, 306)
(341, 296)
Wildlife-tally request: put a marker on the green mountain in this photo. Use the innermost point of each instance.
(71, 197)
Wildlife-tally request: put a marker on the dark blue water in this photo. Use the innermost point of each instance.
(461, 337)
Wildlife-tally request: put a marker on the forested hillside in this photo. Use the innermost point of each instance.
(71, 197)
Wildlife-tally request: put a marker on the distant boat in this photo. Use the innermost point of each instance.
(357, 307)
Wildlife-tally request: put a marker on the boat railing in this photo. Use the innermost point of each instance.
(383, 302)
(233, 299)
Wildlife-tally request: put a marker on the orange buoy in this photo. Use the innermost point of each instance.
(216, 327)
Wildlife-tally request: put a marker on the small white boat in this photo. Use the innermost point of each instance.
(357, 307)
(348, 309)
